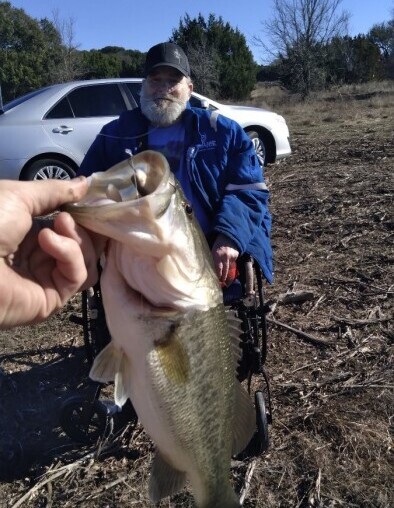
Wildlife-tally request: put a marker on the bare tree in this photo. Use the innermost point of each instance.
(297, 32)
(69, 68)
(203, 61)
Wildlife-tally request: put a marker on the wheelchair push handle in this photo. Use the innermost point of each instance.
(249, 278)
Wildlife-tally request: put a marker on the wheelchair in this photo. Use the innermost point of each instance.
(86, 419)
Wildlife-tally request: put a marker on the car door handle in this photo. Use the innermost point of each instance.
(63, 129)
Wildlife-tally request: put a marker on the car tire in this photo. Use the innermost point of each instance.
(259, 146)
(44, 169)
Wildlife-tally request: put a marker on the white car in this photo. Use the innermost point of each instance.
(46, 133)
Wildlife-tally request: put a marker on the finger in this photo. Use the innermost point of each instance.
(92, 245)
(46, 196)
(219, 269)
(70, 271)
(65, 225)
(225, 268)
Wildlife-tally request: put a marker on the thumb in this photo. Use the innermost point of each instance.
(45, 196)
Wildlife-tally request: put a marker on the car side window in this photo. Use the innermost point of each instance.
(90, 101)
(135, 90)
(61, 110)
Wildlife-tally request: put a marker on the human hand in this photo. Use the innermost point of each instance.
(41, 267)
(225, 254)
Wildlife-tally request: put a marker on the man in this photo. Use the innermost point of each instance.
(210, 155)
(42, 263)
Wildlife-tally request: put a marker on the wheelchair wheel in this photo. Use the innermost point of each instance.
(85, 421)
(262, 422)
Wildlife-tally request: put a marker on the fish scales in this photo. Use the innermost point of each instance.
(204, 434)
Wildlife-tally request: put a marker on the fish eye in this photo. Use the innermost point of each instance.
(188, 209)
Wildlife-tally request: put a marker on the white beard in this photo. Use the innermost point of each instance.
(162, 111)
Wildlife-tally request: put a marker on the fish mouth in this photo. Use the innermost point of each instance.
(142, 175)
(127, 201)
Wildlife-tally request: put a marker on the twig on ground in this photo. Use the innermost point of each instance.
(306, 336)
(322, 298)
(55, 473)
(106, 487)
(248, 479)
(366, 385)
(361, 322)
(314, 498)
(295, 297)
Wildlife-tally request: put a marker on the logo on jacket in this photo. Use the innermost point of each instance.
(207, 144)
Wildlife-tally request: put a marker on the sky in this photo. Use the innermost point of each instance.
(140, 24)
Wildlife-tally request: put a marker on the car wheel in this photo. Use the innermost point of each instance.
(48, 168)
(259, 146)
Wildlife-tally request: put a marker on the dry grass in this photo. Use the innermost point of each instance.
(331, 447)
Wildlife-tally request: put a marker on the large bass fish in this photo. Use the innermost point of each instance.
(173, 347)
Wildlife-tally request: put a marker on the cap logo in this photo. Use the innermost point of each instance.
(177, 55)
(166, 53)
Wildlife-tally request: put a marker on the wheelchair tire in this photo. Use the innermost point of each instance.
(261, 421)
(84, 421)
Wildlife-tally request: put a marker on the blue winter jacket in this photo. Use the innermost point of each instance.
(223, 168)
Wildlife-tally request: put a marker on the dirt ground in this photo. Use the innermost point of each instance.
(330, 377)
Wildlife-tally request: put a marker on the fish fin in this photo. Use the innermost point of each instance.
(111, 364)
(106, 364)
(164, 479)
(122, 382)
(229, 500)
(173, 358)
(244, 425)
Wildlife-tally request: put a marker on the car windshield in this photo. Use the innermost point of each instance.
(23, 98)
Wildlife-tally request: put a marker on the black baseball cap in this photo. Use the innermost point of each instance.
(169, 54)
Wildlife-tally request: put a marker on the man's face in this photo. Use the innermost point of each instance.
(164, 95)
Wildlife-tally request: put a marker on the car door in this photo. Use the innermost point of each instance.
(74, 121)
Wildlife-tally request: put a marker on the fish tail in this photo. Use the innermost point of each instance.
(228, 500)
